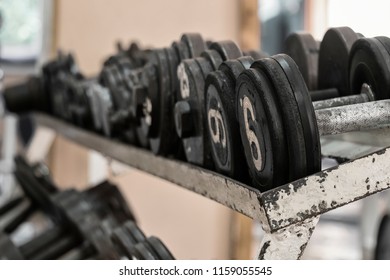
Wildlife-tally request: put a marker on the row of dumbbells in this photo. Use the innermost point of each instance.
(246, 115)
(93, 224)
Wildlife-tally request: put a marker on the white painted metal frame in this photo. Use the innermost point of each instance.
(288, 214)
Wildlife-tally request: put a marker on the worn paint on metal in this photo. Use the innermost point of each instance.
(288, 243)
(370, 115)
(327, 190)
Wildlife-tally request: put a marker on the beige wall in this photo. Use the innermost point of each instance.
(192, 226)
(91, 27)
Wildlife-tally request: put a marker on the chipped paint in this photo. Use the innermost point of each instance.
(327, 190)
(371, 115)
(288, 243)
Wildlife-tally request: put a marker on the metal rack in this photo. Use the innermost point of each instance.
(288, 214)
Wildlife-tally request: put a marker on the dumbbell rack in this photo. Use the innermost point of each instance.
(288, 214)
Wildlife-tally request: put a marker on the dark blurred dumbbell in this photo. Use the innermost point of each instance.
(157, 93)
(279, 125)
(324, 66)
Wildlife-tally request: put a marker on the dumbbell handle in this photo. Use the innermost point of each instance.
(370, 115)
(366, 95)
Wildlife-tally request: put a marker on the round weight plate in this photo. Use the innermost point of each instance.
(196, 145)
(159, 247)
(370, 64)
(289, 112)
(213, 57)
(205, 66)
(261, 130)
(165, 141)
(306, 113)
(181, 50)
(221, 122)
(333, 59)
(227, 49)
(303, 48)
(218, 86)
(194, 43)
(382, 250)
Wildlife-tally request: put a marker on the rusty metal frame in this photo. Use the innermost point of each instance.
(288, 214)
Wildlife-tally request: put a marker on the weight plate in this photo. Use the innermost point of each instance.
(370, 63)
(303, 48)
(222, 125)
(165, 141)
(194, 43)
(226, 49)
(181, 50)
(382, 250)
(306, 113)
(289, 112)
(213, 57)
(161, 250)
(195, 143)
(333, 59)
(261, 130)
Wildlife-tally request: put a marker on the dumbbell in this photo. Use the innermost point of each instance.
(324, 66)
(189, 111)
(35, 93)
(156, 94)
(115, 107)
(221, 121)
(368, 58)
(279, 127)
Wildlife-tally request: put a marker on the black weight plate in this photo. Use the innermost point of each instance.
(159, 247)
(134, 231)
(213, 57)
(181, 50)
(196, 146)
(370, 64)
(382, 250)
(303, 48)
(222, 125)
(165, 141)
(226, 49)
(173, 61)
(194, 43)
(333, 59)
(306, 112)
(289, 112)
(233, 68)
(261, 130)
(205, 66)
